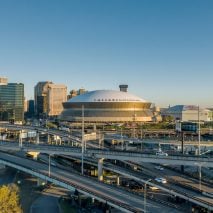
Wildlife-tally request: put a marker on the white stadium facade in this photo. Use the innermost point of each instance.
(106, 106)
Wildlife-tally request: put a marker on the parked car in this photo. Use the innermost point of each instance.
(161, 180)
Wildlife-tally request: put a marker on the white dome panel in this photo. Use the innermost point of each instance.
(106, 96)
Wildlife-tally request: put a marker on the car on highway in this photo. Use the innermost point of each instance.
(153, 187)
(161, 180)
(159, 168)
(161, 154)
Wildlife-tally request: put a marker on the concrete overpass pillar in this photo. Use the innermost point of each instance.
(93, 200)
(48, 138)
(100, 140)
(20, 138)
(60, 141)
(40, 182)
(118, 181)
(100, 169)
(94, 128)
(37, 137)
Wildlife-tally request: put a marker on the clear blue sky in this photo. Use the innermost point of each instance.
(163, 49)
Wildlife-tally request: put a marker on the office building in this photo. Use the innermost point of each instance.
(11, 101)
(73, 93)
(49, 98)
(40, 93)
(56, 95)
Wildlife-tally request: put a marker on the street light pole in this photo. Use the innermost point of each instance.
(198, 130)
(49, 167)
(145, 194)
(82, 142)
(199, 166)
(122, 141)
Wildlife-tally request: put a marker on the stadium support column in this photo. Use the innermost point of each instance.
(100, 169)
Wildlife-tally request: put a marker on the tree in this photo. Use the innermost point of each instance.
(9, 199)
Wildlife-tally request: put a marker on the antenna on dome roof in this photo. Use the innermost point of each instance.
(123, 87)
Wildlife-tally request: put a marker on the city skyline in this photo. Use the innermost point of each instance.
(161, 49)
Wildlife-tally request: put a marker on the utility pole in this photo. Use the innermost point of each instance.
(82, 142)
(49, 167)
(198, 130)
(199, 166)
(20, 138)
(122, 141)
(182, 148)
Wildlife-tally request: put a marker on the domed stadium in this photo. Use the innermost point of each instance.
(106, 106)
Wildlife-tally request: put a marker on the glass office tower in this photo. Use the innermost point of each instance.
(12, 102)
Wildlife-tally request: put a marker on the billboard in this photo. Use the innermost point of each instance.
(186, 126)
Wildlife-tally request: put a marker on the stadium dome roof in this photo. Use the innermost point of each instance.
(106, 96)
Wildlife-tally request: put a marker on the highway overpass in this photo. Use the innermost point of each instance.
(171, 187)
(114, 196)
(188, 160)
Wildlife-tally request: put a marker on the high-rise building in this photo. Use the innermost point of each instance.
(25, 105)
(73, 93)
(81, 91)
(56, 95)
(40, 93)
(11, 102)
(49, 98)
(31, 108)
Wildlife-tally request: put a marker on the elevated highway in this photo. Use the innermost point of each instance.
(116, 197)
(110, 154)
(171, 187)
(189, 160)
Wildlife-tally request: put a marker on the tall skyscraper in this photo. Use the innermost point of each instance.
(49, 98)
(11, 102)
(31, 108)
(56, 95)
(40, 93)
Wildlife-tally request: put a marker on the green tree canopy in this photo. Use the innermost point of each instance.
(9, 199)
